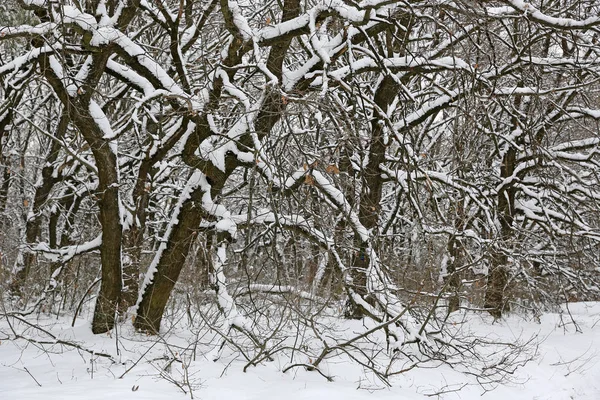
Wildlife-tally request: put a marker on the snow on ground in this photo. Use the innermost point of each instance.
(567, 366)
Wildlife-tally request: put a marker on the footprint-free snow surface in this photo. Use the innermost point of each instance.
(562, 353)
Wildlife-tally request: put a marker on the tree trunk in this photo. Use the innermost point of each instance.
(453, 278)
(369, 207)
(157, 292)
(110, 251)
(5, 165)
(134, 239)
(110, 220)
(498, 274)
(497, 281)
(456, 256)
(33, 225)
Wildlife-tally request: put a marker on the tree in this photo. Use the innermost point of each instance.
(381, 141)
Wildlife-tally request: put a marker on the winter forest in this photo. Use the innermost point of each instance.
(374, 194)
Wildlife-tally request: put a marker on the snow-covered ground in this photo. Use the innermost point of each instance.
(567, 366)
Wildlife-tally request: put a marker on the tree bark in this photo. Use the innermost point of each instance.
(369, 205)
(453, 278)
(112, 231)
(498, 274)
(156, 294)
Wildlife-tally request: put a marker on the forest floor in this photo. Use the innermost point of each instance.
(566, 365)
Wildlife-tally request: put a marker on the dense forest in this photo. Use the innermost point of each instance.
(259, 166)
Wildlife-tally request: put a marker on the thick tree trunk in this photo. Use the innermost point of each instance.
(496, 285)
(156, 294)
(369, 206)
(110, 220)
(110, 252)
(498, 274)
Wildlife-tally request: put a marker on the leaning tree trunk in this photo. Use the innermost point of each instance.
(167, 266)
(157, 291)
